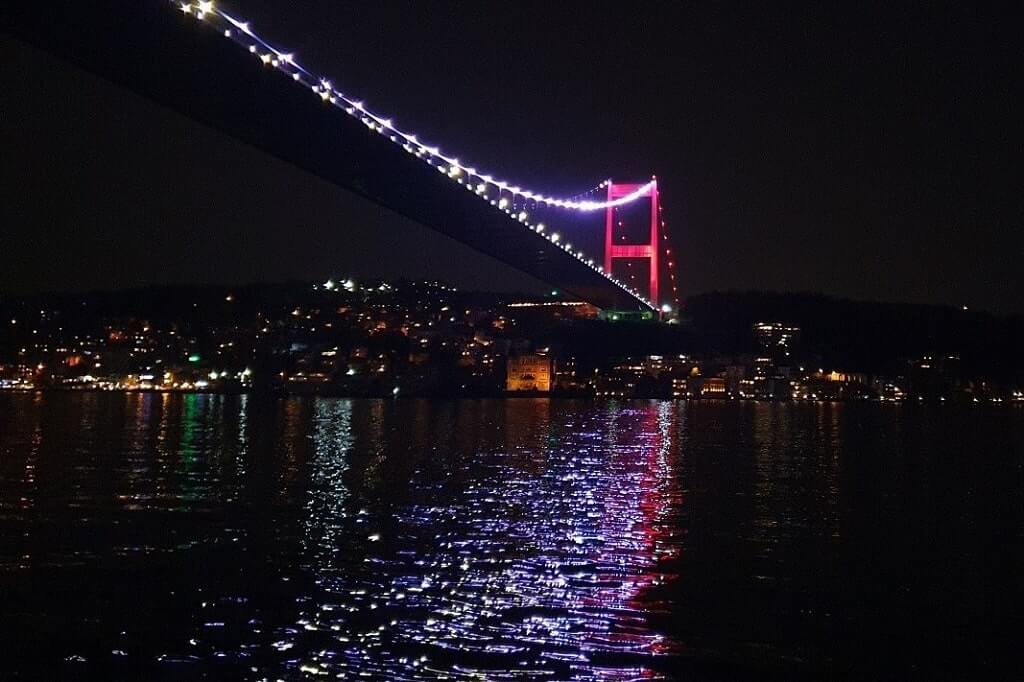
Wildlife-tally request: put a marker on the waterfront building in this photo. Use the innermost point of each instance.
(528, 373)
(713, 387)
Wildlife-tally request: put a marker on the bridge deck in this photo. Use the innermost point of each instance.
(145, 46)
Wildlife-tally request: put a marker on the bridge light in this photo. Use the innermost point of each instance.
(540, 227)
(503, 203)
(554, 237)
(522, 215)
(666, 308)
(205, 6)
(242, 26)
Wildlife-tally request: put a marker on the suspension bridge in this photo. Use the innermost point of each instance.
(183, 54)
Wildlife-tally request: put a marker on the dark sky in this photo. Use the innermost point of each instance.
(863, 152)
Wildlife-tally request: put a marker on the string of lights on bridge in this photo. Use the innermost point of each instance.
(510, 199)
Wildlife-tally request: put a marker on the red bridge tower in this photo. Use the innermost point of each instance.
(648, 251)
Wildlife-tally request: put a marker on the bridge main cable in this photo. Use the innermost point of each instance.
(383, 125)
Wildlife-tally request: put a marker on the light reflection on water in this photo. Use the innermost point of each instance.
(531, 562)
(190, 536)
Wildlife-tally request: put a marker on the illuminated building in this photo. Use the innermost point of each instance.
(773, 367)
(554, 310)
(713, 387)
(776, 335)
(846, 377)
(528, 373)
(832, 386)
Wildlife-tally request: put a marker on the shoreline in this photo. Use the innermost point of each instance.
(518, 395)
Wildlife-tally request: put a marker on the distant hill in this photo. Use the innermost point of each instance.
(858, 336)
(863, 335)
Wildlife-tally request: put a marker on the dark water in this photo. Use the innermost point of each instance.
(148, 536)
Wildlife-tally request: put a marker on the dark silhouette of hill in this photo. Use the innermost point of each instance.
(862, 335)
(859, 336)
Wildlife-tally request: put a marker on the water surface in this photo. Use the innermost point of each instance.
(167, 536)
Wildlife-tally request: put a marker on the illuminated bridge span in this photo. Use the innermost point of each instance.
(277, 104)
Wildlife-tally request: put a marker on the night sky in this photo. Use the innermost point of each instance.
(866, 153)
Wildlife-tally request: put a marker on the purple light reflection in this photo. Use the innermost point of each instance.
(534, 565)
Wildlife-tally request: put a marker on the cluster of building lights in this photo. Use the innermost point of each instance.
(473, 180)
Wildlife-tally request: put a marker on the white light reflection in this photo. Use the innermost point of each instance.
(491, 557)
